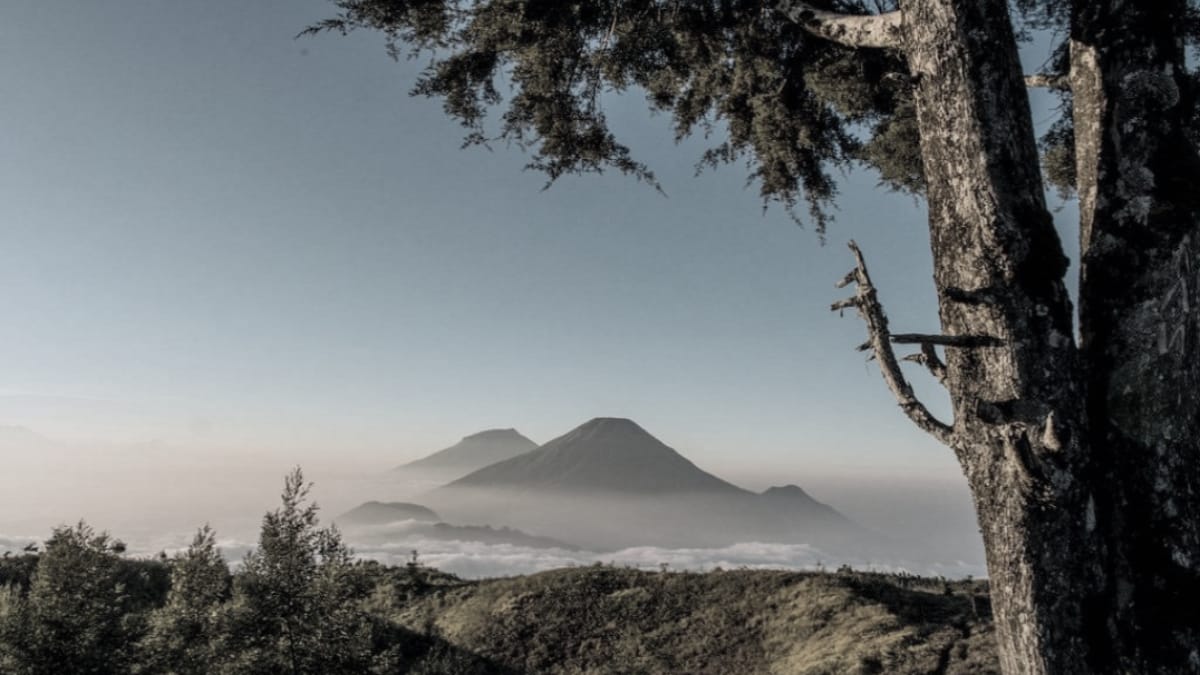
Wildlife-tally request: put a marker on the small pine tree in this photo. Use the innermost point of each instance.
(295, 599)
(182, 632)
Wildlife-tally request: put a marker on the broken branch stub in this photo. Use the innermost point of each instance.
(879, 342)
(878, 31)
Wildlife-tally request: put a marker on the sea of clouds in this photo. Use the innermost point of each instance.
(475, 560)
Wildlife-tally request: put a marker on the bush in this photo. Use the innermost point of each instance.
(76, 616)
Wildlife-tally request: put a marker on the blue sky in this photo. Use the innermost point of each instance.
(217, 235)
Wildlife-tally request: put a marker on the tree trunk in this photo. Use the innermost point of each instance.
(1019, 429)
(1139, 321)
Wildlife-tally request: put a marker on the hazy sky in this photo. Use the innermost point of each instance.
(215, 235)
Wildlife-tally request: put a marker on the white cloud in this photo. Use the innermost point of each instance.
(475, 560)
(14, 544)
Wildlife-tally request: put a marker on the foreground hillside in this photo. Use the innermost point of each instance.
(302, 604)
(156, 616)
(608, 620)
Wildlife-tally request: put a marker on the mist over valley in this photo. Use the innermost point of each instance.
(496, 503)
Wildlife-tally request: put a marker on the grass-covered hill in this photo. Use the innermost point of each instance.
(302, 604)
(609, 620)
(586, 620)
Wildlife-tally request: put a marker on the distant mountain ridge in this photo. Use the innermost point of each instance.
(379, 513)
(610, 484)
(397, 522)
(604, 454)
(475, 451)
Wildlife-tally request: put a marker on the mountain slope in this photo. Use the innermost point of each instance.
(788, 499)
(475, 451)
(605, 454)
(411, 534)
(608, 484)
(379, 513)
(605, 620)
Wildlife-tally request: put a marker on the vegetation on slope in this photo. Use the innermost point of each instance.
(300, 603)
(612, 620)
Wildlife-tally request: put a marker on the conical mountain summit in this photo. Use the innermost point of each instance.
(606, 454)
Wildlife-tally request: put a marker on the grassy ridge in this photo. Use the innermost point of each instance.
(301, 604)
(609, 620)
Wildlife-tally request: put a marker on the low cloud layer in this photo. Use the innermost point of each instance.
(12, 544)
(474, 560)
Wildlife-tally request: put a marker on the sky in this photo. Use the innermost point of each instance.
(238, 245)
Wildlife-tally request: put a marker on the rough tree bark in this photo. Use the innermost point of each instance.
(998, 269)
(1139, 321)
(1083, 461)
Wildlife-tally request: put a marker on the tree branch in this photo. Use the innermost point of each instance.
(880, 31)
(967, 341)
(880, 342)
(1044, 81)
(929, 358)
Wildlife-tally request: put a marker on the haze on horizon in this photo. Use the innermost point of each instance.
(228, 252)
(153, 497)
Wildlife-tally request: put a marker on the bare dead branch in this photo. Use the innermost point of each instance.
(844, 304)
(880, 344)
(933, 363)
(928, 357)
(881, 31)
(965, 341)
(1045, 81)
(850, 277)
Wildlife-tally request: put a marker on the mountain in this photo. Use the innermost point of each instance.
(490, 535)
(607, 454)
(609, 484)
(790, 498)
(410, 534)
(474, 451)
(399, 523)
(379, 513)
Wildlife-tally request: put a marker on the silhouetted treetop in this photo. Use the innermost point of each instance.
(794, 107)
